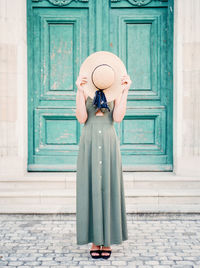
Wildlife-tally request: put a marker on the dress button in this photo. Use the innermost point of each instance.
(99, 131)
(100, 162)
(99, 147)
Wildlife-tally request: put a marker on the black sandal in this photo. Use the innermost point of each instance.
(95, 251)
(106, 251)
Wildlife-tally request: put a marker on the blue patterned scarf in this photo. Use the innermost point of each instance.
(99, 100)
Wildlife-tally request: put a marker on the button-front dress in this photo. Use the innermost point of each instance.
(100, 200)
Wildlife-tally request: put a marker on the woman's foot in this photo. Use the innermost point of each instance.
(106, 254)
(95, 247)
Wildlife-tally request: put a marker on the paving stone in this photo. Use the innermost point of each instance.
(16, 263)
(118, 263)
(46, 240)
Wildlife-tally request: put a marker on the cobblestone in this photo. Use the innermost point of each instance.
(49, 240)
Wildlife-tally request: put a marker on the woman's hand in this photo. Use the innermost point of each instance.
(81, 80)
(126, 82)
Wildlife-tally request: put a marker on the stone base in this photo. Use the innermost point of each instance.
(144, 192)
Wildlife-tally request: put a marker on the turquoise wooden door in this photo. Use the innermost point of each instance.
(61, 34)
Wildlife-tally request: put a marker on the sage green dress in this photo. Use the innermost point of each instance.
(100, 200)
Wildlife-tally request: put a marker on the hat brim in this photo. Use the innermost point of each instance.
(103, 57)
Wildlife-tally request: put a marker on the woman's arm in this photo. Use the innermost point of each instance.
(120, 107)
(120, 102)
(81, 111)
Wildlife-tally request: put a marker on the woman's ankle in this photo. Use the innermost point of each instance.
(94, 245)
(103, 247)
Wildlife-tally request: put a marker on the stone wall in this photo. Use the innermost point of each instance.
(13, 87)
(187, 87)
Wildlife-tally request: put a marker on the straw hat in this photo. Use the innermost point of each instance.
(103, 70)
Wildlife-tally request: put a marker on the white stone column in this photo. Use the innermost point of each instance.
(13, 87)
(187, 87)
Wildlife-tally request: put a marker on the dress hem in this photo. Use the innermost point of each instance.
(112, 243)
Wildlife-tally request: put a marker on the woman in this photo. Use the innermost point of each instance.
(101, 215)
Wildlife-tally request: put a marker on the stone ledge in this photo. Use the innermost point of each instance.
(66, 176)
(128, 193)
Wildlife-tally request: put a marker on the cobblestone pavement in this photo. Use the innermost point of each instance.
(49, 240)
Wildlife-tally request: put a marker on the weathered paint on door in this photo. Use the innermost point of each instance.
(61, 34)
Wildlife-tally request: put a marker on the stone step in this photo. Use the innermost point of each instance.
(32, 208)
(143, 180)
(64, 201)
(56, 193)
(71, 193)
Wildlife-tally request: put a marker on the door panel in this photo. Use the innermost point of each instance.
(61, 34)
(59, 47)
(140, 37)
